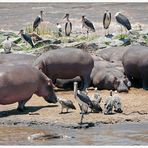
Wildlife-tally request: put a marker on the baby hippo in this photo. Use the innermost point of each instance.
(113, 101)
(19, 83)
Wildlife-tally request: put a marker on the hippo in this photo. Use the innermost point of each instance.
(66, 63)
(68, 83)
(18, 83)
(135, 64)
(110, 77)
(16, 59)
(112, 54)
(104, 75)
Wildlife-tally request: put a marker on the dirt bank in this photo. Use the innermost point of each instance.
(135, 109)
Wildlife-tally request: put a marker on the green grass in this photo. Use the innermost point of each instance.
(121, 36)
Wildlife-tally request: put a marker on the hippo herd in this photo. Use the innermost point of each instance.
(116, 68)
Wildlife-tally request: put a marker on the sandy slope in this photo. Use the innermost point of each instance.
(135, 107)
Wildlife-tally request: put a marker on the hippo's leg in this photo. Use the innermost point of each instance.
(21, 104)
(86, 82)
(145, 84)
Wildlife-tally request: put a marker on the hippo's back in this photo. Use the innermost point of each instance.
(66, 55)
(65, 63)
(135, 60)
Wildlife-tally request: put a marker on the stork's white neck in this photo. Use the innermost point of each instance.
(117, 14)
(75, 89)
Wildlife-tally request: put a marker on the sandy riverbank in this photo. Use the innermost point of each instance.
(134, 104)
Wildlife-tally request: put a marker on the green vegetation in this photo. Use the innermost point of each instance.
(121, 36)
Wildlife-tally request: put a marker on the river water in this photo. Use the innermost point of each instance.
(117, 134)
(15, 16)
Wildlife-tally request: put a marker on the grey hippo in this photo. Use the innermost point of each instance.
(18, 83)
(66, 63)
(135, 62)
(106, 75)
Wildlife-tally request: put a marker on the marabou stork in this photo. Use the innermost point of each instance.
(87, 24)
(68, 25)
(26, 37)
(38, 20)
(65, 103)
(123, 21)
(83, 101)
(106, 21)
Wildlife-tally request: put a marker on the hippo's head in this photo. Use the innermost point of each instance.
(51, 97)
(121, 84)
(117, 105)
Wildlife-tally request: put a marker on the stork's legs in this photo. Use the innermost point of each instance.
(82, 116)
(37, 30)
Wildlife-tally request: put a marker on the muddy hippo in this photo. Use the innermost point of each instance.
(135, 63)
(104, 75)
(110, 78)
(19, 83)
(112, 54)
(66, 63)
(13, 59)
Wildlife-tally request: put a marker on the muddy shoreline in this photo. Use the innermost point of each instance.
(40, 113)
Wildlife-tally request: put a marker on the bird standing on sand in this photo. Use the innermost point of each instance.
(108, 106)
(106, 21)
(26, 37)
(68, 25)
(123, 21)
(7, 45)
(66, 104)
(38, 20)
(96, 99)
(87, 24)
(83, 101)
(117, 103)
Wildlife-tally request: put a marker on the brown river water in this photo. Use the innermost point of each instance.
(15, 16)
(117, 134)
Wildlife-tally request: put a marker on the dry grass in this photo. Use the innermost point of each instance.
(44, 29)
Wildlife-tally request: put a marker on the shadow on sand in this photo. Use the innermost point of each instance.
(29, 109)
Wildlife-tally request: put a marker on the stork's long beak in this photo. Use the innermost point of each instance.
(64, 16)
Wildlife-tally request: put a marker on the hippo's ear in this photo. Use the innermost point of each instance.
(51, 83)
